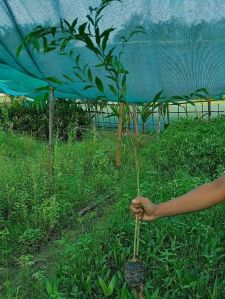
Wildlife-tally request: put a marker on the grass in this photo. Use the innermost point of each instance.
(184, 254)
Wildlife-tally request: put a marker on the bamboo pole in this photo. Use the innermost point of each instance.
(119, 135)
(51, 129)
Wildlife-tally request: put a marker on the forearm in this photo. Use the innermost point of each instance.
(200, 198)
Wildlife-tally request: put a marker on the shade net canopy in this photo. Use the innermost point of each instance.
(183, 48)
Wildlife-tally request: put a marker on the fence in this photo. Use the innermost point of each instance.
(203, 109)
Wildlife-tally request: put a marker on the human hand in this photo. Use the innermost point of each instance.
(143, 208)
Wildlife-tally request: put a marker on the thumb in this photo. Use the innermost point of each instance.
(136, 202)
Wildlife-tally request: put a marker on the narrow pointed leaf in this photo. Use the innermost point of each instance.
(55, 80)
(111, 286)
(90, 77)
(113, 89)
(99, 84)
(68, 77)
(88, 87)
(158, 95)
(103, 286)
(18, 50)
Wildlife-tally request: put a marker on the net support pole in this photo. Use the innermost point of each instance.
(51, 130)
(119, 135)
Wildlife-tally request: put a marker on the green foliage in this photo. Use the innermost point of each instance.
(31, 118)
(197, 141)
(96, 40)
(30, 209)
(125, 116)
(184, 254)
(107, 289)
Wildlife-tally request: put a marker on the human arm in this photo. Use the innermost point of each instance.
(200, 198)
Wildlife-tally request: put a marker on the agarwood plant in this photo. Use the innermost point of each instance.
(96, 39)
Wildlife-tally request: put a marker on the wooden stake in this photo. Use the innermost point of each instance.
(50, 135)
(159, 117)
(168, 113)
(209, 109)
(119, 135)
(135, 118)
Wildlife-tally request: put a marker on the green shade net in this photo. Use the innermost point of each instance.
(183, 48)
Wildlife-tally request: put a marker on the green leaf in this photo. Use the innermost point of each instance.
(46, 97)
(158, 95)
(90, 19)
(111, 285)
(82, 28)
(104, 4)
(67, 23)
(202, 90)
(55, 80)
(45, 43)
(64, 44)
(88, 87)
(18, 50)
(103, 286)
(111, 78)
(177, 97)
(77, 68)
(124, 81)
(99, 65)
(136, 32)
(49, 288)
(99, 84)
(139, 27)
(42, 88)
(90, 77)
(79, 76)
(119, 65)
(97, 37)
(68, 77)
(36, 45)
(72, 27)
(90, 45)
(49, 49)
(191, 103)
(106, 34)
(113, 89)
(61, 24)
(124, 86)
(53, 31)
(78, 59)
(155, 294)
(198, 95)
(98, 19)
(85, 68)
